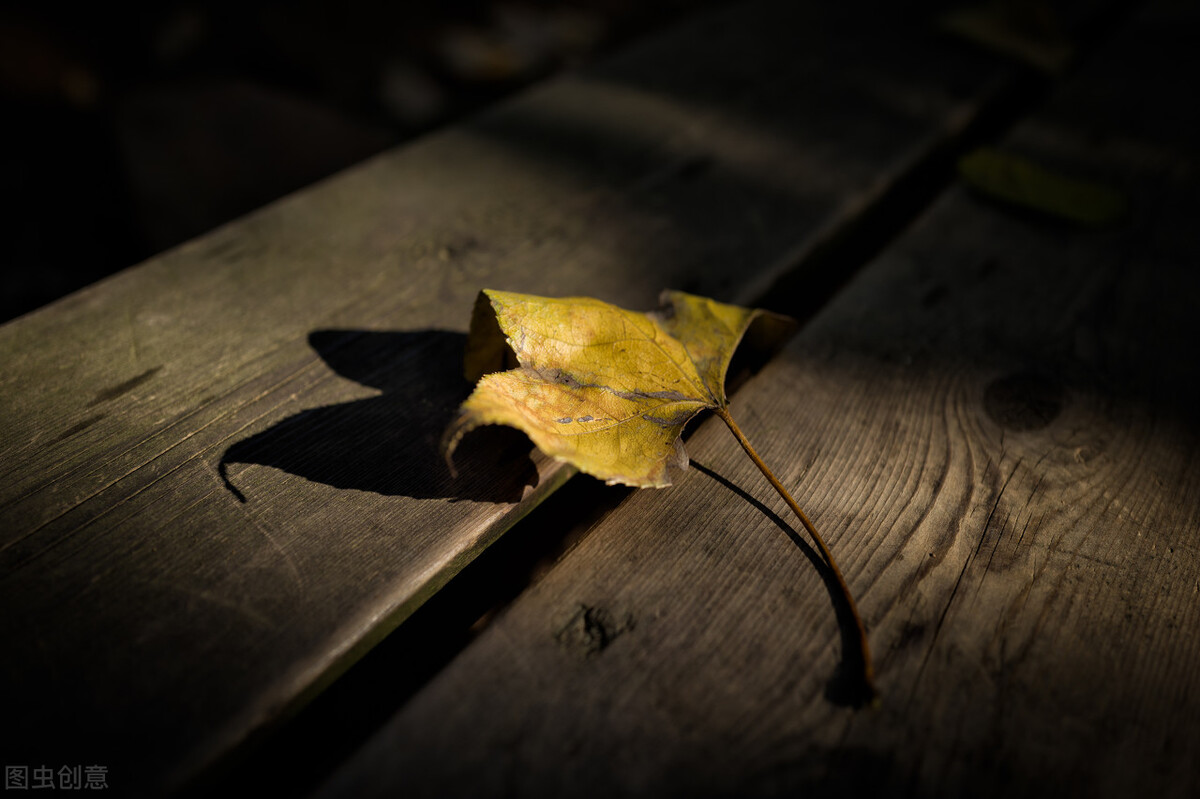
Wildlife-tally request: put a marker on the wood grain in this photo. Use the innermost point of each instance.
(304, 360)
(994, 427)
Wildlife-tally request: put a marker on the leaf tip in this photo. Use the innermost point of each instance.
(487, 349)
(454, 433)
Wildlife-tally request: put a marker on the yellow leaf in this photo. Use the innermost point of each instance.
(602, 388)
(1019, 181)
(609, 391)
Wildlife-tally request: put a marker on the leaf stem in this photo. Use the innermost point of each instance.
(868, 670)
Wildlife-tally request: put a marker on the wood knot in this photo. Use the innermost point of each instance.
(1023, 400)
(589, 630)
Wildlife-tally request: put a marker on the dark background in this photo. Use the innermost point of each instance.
(128, 129)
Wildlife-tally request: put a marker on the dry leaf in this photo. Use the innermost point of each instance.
(1019, 181)
(609, 391)
(602, 388)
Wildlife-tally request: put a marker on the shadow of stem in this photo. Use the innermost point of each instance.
(846, 687)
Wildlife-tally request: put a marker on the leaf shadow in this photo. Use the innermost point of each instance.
(390, 444)
(846, 687)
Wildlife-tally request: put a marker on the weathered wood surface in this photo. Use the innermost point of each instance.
(150, 619)
(995, 427)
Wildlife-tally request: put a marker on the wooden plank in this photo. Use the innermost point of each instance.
(995, 428)
(151, 619)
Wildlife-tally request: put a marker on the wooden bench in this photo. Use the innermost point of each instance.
(221, 485)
